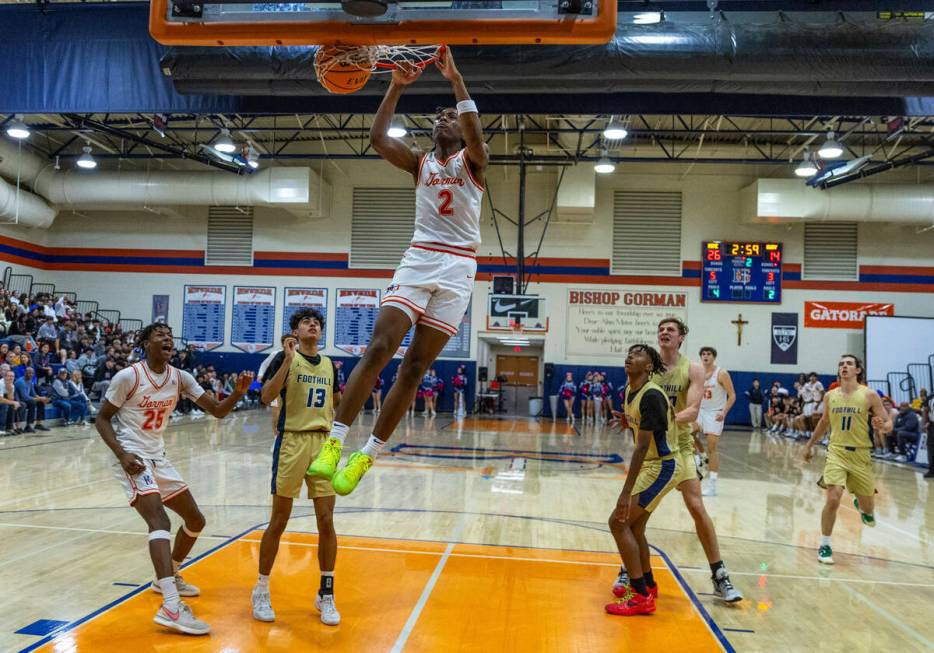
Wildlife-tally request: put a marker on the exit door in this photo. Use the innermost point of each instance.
(518, 370)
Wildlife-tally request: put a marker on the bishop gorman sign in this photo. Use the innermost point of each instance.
(842, 315)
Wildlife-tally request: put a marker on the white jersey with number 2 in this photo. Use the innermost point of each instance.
(447, 204)
(145, 401)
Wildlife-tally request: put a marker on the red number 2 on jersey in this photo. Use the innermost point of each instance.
(446, 198)
(154, 419)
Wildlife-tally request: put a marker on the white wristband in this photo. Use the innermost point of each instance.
(466, 106)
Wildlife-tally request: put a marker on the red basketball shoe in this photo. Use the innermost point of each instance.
(636, 604)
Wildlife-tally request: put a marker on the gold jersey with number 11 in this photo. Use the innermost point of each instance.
(849, 417)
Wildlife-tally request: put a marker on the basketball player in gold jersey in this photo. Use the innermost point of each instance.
(683, 383)
(653, 472)
(846, 410)
(305, 383)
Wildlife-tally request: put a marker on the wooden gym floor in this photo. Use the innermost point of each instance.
(475, 535)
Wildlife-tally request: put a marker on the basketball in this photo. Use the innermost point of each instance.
(339, 78)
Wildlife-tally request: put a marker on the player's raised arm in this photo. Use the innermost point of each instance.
(392, 149)
(478, 154)
(222, 408)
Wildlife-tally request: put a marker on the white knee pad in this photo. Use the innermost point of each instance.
(159, 535)
(190, 533)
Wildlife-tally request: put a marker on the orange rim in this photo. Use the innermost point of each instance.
(571, 31)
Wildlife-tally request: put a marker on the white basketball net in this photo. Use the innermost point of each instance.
(375, 58)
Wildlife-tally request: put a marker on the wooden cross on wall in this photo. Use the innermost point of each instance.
(739, 322)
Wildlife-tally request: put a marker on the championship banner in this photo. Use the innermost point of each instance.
(842, 315)
(784, 338)
(354, 319)
(298, 298)
(602, 323)
(253, 319)
(203, 316)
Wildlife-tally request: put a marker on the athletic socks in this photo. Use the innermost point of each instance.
(339, 431)
(263, 583)
(714, 475)
(714, 566)
(169, 593)
(373, 446)
(649, 579)
(825, 540)
(327, 583)
(638, 584)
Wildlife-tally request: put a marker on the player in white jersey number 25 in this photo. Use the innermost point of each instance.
(140, 400)
(432, 285)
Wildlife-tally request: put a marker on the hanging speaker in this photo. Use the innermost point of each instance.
(482, 373)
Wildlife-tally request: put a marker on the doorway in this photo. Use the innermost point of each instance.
(520, 380)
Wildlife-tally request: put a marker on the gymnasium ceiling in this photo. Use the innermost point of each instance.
(138, 141)
(866, 94)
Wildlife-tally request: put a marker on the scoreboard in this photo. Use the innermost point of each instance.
(741, 272)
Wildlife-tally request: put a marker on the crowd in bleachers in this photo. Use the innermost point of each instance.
(56, 363)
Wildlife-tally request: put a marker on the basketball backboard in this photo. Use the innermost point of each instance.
(504, 311)
(405, 22)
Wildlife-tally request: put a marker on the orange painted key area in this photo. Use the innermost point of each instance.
(412, 595)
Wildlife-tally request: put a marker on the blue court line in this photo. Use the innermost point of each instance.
(41, 627)
(739, 630)
(126, 584)
(400, 447)
(714, 627)
(74, 624)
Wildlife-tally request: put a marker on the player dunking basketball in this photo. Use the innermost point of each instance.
(683, 382)
(140, 399)
(432, 285)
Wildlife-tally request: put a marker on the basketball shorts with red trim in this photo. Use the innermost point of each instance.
(160, 477)
(708, 422)
(432, 287)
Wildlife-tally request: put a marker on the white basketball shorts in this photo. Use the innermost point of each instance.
(432, 287)
(810, 408)
(160, 477)
(708, 422)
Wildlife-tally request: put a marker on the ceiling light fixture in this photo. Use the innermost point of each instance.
(604, 165)
(615, 130)
(252, 157)
(831, 148)
(86, 161)
(806, 168)
(396, 130)
(647, 18)
(16, 128)
(225, 144)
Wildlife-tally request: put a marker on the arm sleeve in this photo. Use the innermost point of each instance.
(654, 409)
(273, 367)
(190, 387)
(120, 387)
(337, 383)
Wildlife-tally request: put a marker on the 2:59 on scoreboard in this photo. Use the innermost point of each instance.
(741, 272)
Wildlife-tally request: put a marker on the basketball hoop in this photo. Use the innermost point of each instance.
(516, 327)
(373, 58)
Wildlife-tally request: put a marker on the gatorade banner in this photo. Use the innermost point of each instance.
(842, 315)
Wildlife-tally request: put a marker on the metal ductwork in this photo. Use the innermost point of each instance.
(288, 187)
(788, 201)
(24, 208)
(809, 53)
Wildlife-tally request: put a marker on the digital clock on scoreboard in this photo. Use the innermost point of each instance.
(741, 272)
